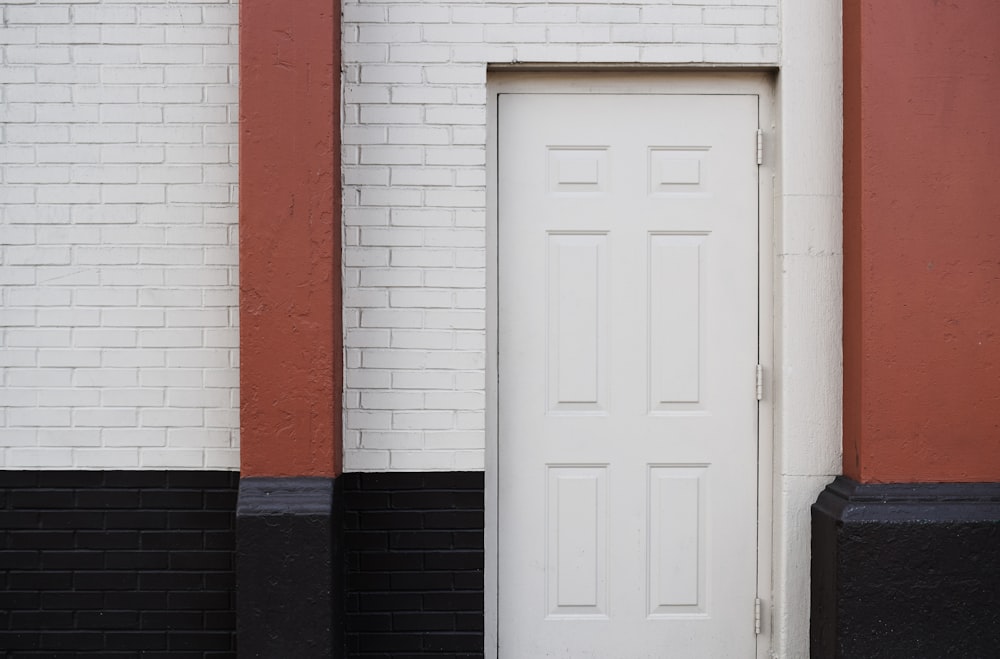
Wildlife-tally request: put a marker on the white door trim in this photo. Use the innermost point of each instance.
(625, 82)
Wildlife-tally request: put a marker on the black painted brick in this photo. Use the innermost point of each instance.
(414, 555)
(117, 564)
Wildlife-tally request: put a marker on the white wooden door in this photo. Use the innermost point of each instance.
(627, 439)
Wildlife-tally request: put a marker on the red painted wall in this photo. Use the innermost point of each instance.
(922, 240)
(290, 301)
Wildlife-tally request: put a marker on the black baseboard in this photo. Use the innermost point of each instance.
(290, 568)
(906, 571)
(117, 564)
(414, 544)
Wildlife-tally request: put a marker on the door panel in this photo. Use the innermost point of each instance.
(627, 437)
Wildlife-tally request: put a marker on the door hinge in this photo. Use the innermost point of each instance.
(760, 382)
(756, 615)
(760, 146)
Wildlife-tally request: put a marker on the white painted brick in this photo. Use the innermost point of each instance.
(394, 359)
(422, 217)
(134, 437)
(450, 440)
(455, 74)
(421, 176)
(608, 14)
(734, 15)
(422, 339)
(391, 440)
(39, 297)
(423, 420)
(229, 418)
(610, 54)
(470, 340)
(104, 458)
(422, 258)
(390, 319)
(425, 460)
(47, 417)
(56, 437)
(198, 358)
(642, 34)
(366, 338)
(198, 437)
(104, 14)
(104, 377)
(105, 417)
(68, 35)
(423, 380)
(704, 34)
(152, 458)
(18, 35)
(390, 33)
(11, 397)
(419, 53)
(515, 34)
(482, 53)
(171, 417)
(579, 33)
(97, 210)
(547, 53)
(105, 338)
(174, 14)
(226, 459)
(38, 458)
(741, 53)
(132, 397)
(71, 358)
(420, 298)
(366, 460)
(36, 15)
(671, 13)
(369, 420)
(757, 35)
(113, 34)
(482, 14)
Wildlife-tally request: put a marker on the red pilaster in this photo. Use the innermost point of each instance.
(922, 240)
(290, 292)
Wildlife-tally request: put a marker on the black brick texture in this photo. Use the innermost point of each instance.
(414, 549)
(117, 564)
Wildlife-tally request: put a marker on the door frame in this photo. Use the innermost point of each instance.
(626, 80)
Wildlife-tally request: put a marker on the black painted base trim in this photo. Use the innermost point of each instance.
(414, 545)
(117, 564)
(906, 571)
(289, 568)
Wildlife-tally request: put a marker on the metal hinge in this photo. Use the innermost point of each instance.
(760, 146)
(756, 615)
(760, 382)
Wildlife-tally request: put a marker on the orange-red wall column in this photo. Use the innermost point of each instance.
(922, 240)
(290, 305)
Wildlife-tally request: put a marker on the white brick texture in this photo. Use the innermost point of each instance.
(414, 167)
(119, 236)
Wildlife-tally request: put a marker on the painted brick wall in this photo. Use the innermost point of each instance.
(118, 164)
(414, 545)
(117, 564)
(415, 191)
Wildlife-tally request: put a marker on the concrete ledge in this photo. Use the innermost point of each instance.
(905, 570)
(289, 568)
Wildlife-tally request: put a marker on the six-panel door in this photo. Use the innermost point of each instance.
(627, 439)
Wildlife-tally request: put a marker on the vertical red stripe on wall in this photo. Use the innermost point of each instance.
(290, 291)
(921, 240)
